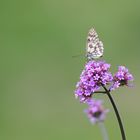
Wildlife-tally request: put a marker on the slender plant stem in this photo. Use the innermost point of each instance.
(103, 131)
(100, 92)
(116, 112)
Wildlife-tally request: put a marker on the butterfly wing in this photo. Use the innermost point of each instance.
(94, 47)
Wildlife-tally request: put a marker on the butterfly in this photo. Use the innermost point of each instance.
(94, 47)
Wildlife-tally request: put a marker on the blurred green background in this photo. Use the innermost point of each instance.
(38, 73)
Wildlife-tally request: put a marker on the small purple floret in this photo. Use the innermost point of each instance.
(95, 112)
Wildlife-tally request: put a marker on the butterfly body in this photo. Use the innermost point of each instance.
(94, 47)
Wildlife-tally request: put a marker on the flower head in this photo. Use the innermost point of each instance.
(121, 78)
(92, 77)
(96, 112)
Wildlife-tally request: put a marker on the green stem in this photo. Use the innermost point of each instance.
(103, 131)
(116, 112)
(100, 92)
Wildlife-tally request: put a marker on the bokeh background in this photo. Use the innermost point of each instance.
(38, 73)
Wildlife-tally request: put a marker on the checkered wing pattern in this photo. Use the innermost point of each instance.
(94, 47)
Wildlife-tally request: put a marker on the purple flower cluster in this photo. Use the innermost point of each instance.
(95, 74)
(95, 112)
(121, 78)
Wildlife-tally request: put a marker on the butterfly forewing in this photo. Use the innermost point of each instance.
(94, 47)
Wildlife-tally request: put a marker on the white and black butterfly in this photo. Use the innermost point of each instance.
(94, 47)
